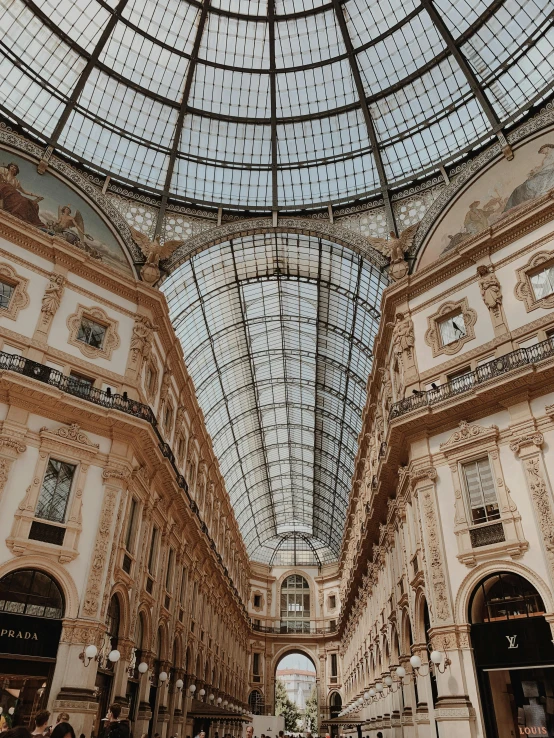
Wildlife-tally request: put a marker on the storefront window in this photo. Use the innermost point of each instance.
(514, 656)
(30, 592)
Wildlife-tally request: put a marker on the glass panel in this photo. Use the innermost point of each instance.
(6, 292)
(91, 333)
(452, 329)
(543, 283)
(481, 491)
(54, 493)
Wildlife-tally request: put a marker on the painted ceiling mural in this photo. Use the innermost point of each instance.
(502, 188)
(48, 203)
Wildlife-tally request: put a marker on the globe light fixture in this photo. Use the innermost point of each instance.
(192, 688)
(388, 681)
(88, 654)
(179, 684)
(415, 661)
(219, 700)
(211, 697)
(202, 693)
(436, 657)
(114, 656)
(401, 672)
(142, 667)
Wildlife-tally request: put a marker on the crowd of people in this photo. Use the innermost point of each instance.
(115, 727)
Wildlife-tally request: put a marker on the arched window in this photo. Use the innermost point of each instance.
(256, 702)
(111, 636)
(31, 592)
(295, 605)
(504, 596)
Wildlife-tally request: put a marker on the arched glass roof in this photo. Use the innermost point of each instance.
(277, 333)
(272, 103)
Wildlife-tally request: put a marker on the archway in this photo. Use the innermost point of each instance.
(31, 610)
(296, 691)
(514, 655)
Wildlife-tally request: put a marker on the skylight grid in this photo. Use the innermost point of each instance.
(289, 436)
(399, 55)
(26, 99)
(219, 42)
(223, 141)
(315, 90)
(81, 22)
(458, 15)
(529, 77)
(216, 184)
(172, 22)
(368, 20)
(145, 63)
(230, 93)
(41, 50)
(307, 40)
(503, 36)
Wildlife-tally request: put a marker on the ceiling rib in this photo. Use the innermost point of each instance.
(189, 76)
(80, 86)
(339, 13)
(466, 70)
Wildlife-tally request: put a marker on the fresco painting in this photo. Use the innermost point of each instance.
(505, 186)
(51, 205)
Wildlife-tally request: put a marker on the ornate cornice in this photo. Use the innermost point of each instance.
(529, 439)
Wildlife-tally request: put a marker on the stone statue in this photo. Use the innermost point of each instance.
(403, 339)
(153, 251)
(491, 291)
(53, 296)
(141, 340)
(395, 248)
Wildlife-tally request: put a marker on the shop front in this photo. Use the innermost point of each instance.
(31, 612)
(514, 657)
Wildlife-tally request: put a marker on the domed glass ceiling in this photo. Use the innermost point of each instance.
(272, 103)
(277, 333)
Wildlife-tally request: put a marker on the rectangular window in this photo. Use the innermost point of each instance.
(55, 490)
(481, 492)
(332, 625)
(183, 586)
(91, 333)
(452, 328)
(180, 447)
(152, 555)
(257, 600)
(6, 293)
(130, 532)
(332, 602)
(169, 572)
(79, 380)
(256, 664)
(334, 665)
(543, 282)
(461, 379)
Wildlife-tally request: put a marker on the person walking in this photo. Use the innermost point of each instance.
(117, 728)
(63, 730)
(41, 723)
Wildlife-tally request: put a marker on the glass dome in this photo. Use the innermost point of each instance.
(272, 104)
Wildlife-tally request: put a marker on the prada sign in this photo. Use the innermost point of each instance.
(23, 635)
(517, 642)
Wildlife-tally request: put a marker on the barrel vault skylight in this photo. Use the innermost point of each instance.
(277, 333)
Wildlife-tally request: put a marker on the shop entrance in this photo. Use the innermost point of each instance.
(31, 612)
(514, 656)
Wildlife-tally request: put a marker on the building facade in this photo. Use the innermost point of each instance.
(124, 575)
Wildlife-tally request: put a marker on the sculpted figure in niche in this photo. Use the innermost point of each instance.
(403, 339)
(491, 291)
(53, 295)
(141, 340)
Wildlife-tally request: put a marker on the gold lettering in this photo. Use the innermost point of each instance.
(11, 634)
(3, 632)
(19, 634)
(35, 637)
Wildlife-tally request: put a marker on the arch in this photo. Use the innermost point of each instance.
(161, 651)
(122, 594)
(507, 588)
(406, 634)
(147, 635)
(288, 649)
(188, 659)
(256, 702)
(54, 570)
(481, 571)
(419, 608)
(35, 592)
(307, 227)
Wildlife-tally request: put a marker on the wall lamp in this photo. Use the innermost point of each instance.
(90, 653)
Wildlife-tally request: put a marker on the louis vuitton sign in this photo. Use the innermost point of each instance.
(22, 635)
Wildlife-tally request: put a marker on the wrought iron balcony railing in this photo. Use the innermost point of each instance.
(484, 373)
(287, 628)
(105, 398)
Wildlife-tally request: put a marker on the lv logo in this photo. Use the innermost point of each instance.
(512, 642)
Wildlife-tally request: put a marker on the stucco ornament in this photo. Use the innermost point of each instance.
(491, 291)
(141, 340)
(403, 339)
(395, 247)
(52, 297)
(153, 251)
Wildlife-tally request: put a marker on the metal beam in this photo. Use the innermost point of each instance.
(79, 87)
(273, 100)
(471, 79)
(339, 13)
(189, 76)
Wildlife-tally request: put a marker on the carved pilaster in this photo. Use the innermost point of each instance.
(10, 448)
(528, 448)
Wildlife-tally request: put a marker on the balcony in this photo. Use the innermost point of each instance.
(485, 373)
(288, 628)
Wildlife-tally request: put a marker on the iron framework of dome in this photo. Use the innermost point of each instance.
(277, 331)
(272, 104)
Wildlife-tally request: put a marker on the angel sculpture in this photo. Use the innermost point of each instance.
(154, 251)
(395, 247)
